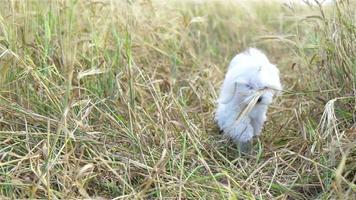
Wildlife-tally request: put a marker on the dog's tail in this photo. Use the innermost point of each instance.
(248, 56)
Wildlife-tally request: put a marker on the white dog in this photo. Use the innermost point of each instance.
(249, 86)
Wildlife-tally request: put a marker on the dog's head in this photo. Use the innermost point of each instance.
(249, 78)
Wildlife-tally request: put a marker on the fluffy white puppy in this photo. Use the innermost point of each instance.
(249, 86)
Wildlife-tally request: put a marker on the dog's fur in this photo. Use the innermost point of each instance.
(250, 76)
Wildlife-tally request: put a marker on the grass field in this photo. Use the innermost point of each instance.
(115, 100)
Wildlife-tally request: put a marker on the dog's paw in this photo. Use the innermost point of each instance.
(245, 147)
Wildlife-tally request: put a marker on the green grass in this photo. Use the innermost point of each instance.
(115, 99)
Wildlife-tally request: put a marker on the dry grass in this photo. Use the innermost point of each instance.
(115, 99)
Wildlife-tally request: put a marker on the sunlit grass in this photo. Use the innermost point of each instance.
(114, 99)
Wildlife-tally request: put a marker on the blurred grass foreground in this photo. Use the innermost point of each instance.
(113, 99)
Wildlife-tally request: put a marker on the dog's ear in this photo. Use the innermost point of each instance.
(227, 93)
(229, 90)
